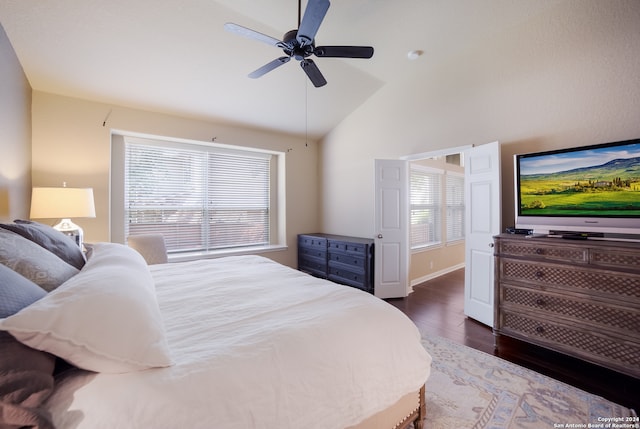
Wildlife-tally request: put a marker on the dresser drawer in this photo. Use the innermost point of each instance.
(345, 247)
(616, 259)
(314, 266)
(623, 286)
(348, 277)
(543, 251)
(354, 262)
(312, 242)
(597, 314)
(312, 252)
(622, 355)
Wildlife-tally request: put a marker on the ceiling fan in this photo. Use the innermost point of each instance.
(299, 44)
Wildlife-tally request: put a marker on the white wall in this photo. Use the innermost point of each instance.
(70, 144)
(565, 78)
(15, 135)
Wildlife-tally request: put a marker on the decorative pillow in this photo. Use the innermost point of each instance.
(33, 261)
(104, 319)
(51, 239)
(26, 375)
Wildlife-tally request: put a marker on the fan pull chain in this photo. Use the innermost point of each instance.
(306, 113)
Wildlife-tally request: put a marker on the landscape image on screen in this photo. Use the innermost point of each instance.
(597, 182)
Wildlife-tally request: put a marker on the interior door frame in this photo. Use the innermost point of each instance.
(433, 154)
(439, 153)
(436, 153)
(427, 155)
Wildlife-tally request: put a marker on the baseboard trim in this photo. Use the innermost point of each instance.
(433, 275)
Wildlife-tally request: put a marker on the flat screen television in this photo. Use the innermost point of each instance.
(591, 191)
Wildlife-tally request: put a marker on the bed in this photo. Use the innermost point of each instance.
(235, 342)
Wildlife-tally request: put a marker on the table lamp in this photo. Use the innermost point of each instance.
(63, 203)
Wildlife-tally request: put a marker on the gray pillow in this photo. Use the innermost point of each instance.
(33, 261)
(16, 292)
(51, 239)
(26, 375)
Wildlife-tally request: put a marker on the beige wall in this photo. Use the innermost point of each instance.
(565, 78)
(15, 135)
(70, 144)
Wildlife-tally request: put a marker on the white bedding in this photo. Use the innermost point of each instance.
(255, 345)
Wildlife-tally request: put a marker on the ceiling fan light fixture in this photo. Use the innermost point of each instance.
(414, 55)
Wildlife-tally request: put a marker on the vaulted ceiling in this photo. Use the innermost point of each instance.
(174, 56)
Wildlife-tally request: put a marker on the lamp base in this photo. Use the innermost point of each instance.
(72, 230)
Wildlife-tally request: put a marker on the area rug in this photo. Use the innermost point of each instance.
(471, 389)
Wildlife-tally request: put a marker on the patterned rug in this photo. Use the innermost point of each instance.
(471, 389)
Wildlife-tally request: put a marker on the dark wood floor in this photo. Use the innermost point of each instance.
(437, 308)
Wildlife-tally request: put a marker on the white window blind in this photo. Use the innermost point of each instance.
(200, 198)
(426, 207)
(455, 206)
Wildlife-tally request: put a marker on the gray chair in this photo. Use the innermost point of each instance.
(150, 246)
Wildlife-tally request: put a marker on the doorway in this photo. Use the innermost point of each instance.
(482, 203)
(437, 216)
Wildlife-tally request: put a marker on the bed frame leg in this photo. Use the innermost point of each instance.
(422, 413)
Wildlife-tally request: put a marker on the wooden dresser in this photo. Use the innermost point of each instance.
(579, 297)
(341, 259)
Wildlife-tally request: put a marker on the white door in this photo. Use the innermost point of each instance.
(391, 277)
(483, 221)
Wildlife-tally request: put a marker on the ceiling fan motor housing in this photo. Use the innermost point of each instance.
(293, 47)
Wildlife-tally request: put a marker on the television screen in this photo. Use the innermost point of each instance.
(580, 187)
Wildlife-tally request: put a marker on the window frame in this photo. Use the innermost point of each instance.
(277, 197)
(442, 237)
(435, 206)
(458, 208)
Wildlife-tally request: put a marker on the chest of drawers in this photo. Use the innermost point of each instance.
(341, 259)
(581, 298)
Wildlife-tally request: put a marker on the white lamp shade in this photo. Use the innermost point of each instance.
(62, 203)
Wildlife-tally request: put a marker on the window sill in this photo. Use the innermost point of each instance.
(427, 247)
(437, 245)
(256, 250)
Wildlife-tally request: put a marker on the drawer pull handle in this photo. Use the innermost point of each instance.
(539, 251)
(539, 329)
(539, 274)
(540, 302)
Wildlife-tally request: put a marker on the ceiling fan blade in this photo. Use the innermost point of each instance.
(344, 51)
(313, 16)
(252, 34)
(268, 67)
(313, 72)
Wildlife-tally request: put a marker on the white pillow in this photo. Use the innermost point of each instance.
(104, 319)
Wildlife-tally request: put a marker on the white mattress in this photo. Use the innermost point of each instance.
(255, 345)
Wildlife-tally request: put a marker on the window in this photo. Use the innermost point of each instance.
(455, 206)
(426, 209)
(201, 198)
(437, 206)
